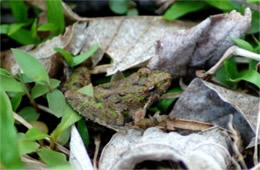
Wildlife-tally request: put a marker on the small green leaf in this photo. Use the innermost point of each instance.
(22, 36)
(64, 137)
(119, 6)
(48, 27)
(181, 8)
(87, 90)
(83, 131)
(9, 84)
(4, 72)
(15, 27)
(29, 113)
(19, 10)
(35, 134)
(52, 158)
(9, 153)
(82, 57)
(251, 76)
(224, 5)
(16, 100)
(164, 104)
(55, 15)
(255, 23)
(132, 12)
(31, 67)
(56, 102)
(252, 64)
(35, 37)
(4, 28)
(69, 118)
(243, 44)
(68, 57)
(26, 146)
(39, 90)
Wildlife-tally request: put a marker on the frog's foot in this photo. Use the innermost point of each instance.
(139, 115)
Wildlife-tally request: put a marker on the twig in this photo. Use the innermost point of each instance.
(235, 143)
(97, 144)
(29, 126)
(100, 69)
(171, 95)
(46, 109)
(234, 50)
(255, 157)
(164, 6)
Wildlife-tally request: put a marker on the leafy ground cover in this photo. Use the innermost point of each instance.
(35, 119)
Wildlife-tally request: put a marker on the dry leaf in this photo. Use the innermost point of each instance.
(129, 41)
(201, 47)
(72, 40)
(203, 101)
(79, 158)
(206, 150)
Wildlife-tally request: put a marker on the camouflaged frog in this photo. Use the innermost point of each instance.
(116, 104)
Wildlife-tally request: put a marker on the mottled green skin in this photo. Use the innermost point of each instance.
(115, 103)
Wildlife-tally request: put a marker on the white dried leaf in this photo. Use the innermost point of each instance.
(208, 149)
(201, 47)
(129, 41)
(79, 158)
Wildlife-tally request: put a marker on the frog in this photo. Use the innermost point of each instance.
(118, 104)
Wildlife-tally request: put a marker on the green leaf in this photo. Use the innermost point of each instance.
(15, 27)
(119, 6)
(251, 76)
(9, 153)
(68, 57)
(26, 146)
(64, 137)
(226, 72)
(255, 23)
(69, 118)
(48, 27)
(35, 37)
(55, 15)
(4, 28)
(39, 90)
(83, 131)
(181, 8)
(52, 158)
(252, 64)
(82, 57)
(22, 36)
(132, 12)
(164, 104)
(243, 44)
(35, 134)
(19, 10)
(56, 102)
(87, 90)
(16, 100)
(29, 113)
(31, 67)
(224, 5)
(4, 72)
(9, 84)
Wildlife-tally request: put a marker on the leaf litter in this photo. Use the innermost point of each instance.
(179, 48)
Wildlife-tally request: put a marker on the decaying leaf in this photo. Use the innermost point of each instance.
(208, 149)
(203, 101)
(129, 41)
(200, 47)
(72, 40)
(79, 158)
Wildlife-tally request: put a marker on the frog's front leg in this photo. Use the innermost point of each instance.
(140, 113)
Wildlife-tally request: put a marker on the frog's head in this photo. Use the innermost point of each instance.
(156, 80)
